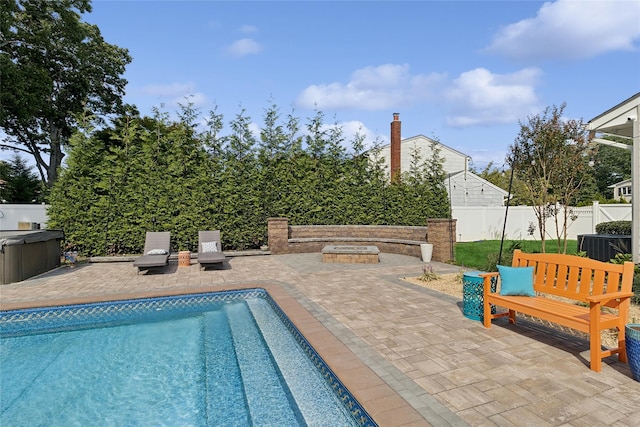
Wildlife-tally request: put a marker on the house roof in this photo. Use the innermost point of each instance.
(618, 184)
(617, 120)
(413, 138)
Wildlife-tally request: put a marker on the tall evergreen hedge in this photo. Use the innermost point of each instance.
(151, 173)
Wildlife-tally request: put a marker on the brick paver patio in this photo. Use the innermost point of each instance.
(407, 353)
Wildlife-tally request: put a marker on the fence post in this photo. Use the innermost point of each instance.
(595, 216)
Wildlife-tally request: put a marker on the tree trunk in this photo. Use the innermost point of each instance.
(55, 155)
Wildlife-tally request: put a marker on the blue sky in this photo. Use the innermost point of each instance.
(463, 71)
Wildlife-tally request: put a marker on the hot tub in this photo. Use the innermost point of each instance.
(24, 254)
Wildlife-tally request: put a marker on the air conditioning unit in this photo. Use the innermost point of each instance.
(23, 225)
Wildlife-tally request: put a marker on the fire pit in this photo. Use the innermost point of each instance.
(350, 254)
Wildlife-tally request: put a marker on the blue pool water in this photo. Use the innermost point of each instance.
(220, 359)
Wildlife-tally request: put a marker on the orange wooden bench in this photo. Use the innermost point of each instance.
(590, 286)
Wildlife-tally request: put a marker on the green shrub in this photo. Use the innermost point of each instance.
(621, 259)
(621, 228)
(635, 299)
(154, 174)
(507, 256)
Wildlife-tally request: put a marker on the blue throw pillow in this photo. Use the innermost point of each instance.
(516, 281)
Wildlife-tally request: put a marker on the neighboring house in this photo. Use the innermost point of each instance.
(622, 190)
(464, 187)
(468, 189)
(453, 160)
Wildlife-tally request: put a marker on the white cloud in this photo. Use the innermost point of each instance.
(176, 93)
(480, 97)
(198, 99)
(249, 29)
(172, 89)
(254, 128)
(352, 128)
(570, 29)
(244, 47)
(349, 131)
(372, 88)
(476, 97)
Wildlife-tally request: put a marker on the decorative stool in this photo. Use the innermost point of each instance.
(473, 295)
(184, 258)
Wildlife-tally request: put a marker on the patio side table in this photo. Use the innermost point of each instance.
(184, 258)
(473, 295)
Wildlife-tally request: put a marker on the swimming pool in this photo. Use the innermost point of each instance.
(183, 360)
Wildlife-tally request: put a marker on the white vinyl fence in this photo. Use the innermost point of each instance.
(486, 223)
(474, 223)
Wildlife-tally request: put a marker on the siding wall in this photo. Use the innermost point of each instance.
(469, 190)
(453, 160)
(13, 214)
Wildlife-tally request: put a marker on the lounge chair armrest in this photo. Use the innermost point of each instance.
(609, 297)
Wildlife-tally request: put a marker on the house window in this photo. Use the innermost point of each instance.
(626, 191)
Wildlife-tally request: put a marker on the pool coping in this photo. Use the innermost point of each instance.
(374, 394)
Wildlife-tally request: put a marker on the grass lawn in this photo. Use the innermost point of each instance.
(483, 255)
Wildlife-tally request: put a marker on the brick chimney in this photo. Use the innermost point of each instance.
(395, 148)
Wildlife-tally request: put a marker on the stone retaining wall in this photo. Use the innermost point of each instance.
(405, 240)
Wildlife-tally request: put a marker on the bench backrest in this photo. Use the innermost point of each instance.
(369, 231)
(575, 277)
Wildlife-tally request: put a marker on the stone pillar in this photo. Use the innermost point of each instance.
(278, 235)
(441, 232)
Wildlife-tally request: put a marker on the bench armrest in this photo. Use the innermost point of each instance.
(489, 275)
(609, 297)
(486, 284)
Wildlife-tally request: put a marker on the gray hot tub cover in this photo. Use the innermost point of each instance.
(10, 238)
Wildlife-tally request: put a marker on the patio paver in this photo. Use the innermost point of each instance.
(406, 352)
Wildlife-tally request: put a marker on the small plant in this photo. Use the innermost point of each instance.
(460, 274)
(507, 256)
(70, 253)
(621, 258)
(635, 299)
(428, 274)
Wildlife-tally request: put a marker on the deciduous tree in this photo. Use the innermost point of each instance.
(611, 165)
(550, 156)
(54, 66)
(501, 178)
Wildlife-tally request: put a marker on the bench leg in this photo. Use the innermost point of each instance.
(595, 348)
(622, 345)
(512, 317)
(487, 314)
